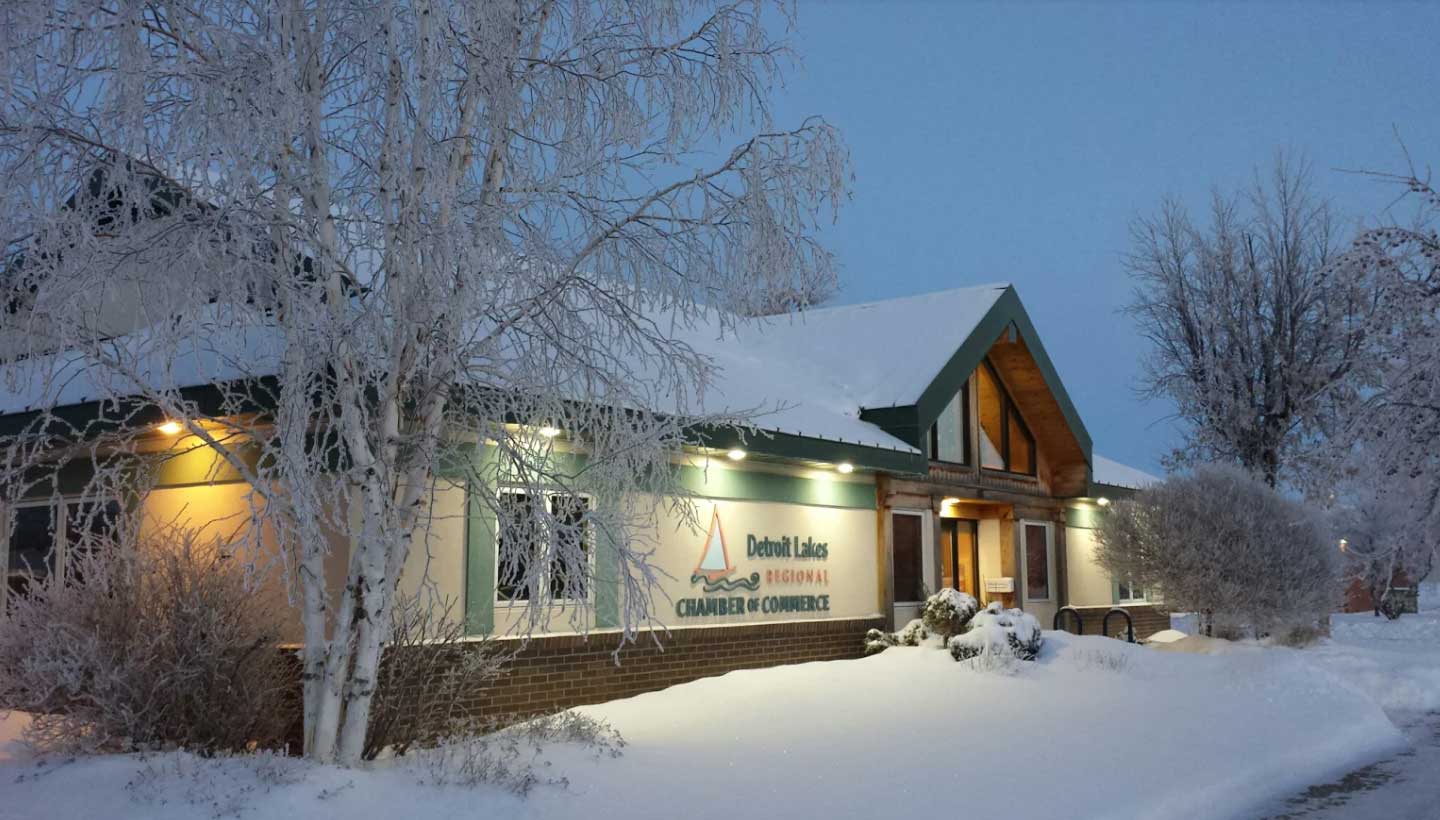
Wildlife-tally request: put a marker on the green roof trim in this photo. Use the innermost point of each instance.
(909, 423)
(804, 448)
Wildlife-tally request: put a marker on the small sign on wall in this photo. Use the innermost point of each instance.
(999, 584)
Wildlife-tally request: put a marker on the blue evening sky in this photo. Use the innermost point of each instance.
(1015, 142)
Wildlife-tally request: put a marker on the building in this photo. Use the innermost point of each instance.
(910, 444)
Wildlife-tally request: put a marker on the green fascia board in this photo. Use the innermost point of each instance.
(910, 422)
(787, 446)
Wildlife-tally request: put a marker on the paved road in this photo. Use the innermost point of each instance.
(1404, 787)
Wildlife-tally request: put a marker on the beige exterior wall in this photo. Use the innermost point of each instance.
(842, 584)
(789, 583)
(1089, 585)
(435, 570)
(991, 562)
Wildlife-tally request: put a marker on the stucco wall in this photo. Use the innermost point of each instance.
(799, 558)
(1089, 585)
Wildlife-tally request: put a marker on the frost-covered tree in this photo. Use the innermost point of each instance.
(1256, 335)
(1385, 517)
(1389, 493)
(1220, 542)
(406, 243)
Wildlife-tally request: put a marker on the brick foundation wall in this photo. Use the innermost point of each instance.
(1148, 619)
(557, 672)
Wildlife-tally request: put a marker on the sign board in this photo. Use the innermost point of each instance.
(999, 584)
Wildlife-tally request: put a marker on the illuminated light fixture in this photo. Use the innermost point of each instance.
(949, 500)
(549, 432)
(170, 428)
(845, 467)
(736, 454)
(1103, 501)
(1344, 545)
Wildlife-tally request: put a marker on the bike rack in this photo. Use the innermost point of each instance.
(1079, 621)
(1129, 624)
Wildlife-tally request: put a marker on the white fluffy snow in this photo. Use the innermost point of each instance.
(908, 732)
(1397, 663)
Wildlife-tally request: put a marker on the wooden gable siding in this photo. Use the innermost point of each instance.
(1062, 453)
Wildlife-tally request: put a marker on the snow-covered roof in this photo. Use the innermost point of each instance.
(822, 366)
(808, 374)
(1106, 471)
(877, 354)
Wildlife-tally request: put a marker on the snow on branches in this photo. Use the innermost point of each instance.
(351, 248)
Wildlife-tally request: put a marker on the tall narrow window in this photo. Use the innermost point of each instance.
(908, 558)
(1005, 442)
(542, 552)
(33, 542)
(991, 401)
(948, 435)
(1037, 562)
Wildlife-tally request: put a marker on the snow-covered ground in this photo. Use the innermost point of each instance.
(1094, 729)
(1396, 663)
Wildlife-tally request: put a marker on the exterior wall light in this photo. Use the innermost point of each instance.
(549, 432)
(949, 500)
(736, 454)
(845, 467)
(170, 428)
(1103, 501)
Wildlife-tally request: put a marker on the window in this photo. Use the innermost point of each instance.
(1005, 441)
(1037, 562)
(47, 537)
(1127, 592)
(536, 549)
(908, 557)
(949, 437)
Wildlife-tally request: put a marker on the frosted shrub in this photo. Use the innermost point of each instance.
(147, 644)
(996, 630)
(948, 612)
(913, 634)
(513, 757)
(428, 668)
(877, 641)
(1221, 543)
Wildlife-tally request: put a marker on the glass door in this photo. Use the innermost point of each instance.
(911, 567)
(960, 555)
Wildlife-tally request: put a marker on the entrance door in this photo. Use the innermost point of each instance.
(960, 555)
(910, 563)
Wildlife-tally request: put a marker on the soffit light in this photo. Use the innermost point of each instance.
(170, 428)
(736, 454)
(549, 432)
(950, 500)
(845, 467)
(1103, 501)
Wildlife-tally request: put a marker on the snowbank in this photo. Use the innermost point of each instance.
(1396, 663)
(887, 736)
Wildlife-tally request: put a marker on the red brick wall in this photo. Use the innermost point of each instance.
(558, 672)
(1148, 619)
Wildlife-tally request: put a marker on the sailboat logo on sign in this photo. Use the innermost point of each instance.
(714, 568)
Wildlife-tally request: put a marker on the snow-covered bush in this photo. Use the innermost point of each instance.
(998, 630)
(878, 640)
(429, 667)
(147, 643)
(912, 634)
(1221, 542)
(948, 612)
